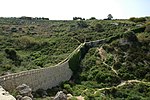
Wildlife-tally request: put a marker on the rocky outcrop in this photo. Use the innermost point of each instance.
(60, 96)
(102, 53)
(24, 92)
(19, 97)
(26, 98)
(4, 95)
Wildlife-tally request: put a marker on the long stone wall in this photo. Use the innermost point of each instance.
(38, 78)
(46, 77)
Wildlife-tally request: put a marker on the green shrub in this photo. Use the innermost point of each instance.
(143, 37)
(98, 28)
(6, 67)
(82, 24)
(134, 97)
(139, 29)
(147, 29)
(147, 76)
(11, 54)
(130, 36)
(107, 78)
(132, 19)
(73, 98)
(27, 42)
(89, 62)
(68, 88)
(127, 76)
(40, 93)
(40, 61)
(78, 18)
(92, 18)
(141, 19)
(112, 38)
(14, 29)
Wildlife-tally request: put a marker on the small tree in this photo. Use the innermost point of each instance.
(92, 18)
(78, 18)
(109, 17)
(11, 54)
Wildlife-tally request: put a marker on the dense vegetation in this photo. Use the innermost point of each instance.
(30, 43)
(34, 43)
(126, 61)
(118, 69)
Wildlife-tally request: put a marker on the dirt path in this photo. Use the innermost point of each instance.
(122, 84)
(111, 68)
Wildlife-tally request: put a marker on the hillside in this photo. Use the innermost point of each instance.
(115, 70)
(108, 71)
(118, 69)
(29, 44)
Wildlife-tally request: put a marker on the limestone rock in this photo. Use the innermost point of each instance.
(60, 96)
(69, 96)
(5, 95)
(26, 98)
(80, 98)
(19, 97)
(102, 53)
(24, 90)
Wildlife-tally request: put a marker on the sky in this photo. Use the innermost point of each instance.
(67, 9)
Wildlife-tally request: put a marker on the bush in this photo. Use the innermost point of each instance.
(141, 19)
(6, 67)
(11, 54)
(130, 36)
(107, 78)
(78, 18)
(127, 76)
(134, 98)
(92, 18)
(98, 28)
(14, 29)
(147, 76)
(143, 37)
(73, 98)
(147, 29)
(139, 29)
(68, 88)
(27, 42)
(40, 93)
(132, 19)
(82, 24)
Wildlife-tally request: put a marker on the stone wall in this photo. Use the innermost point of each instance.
(96, 43)
(38, 78)
(51, 76)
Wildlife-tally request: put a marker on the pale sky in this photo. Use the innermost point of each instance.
(67, 9)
